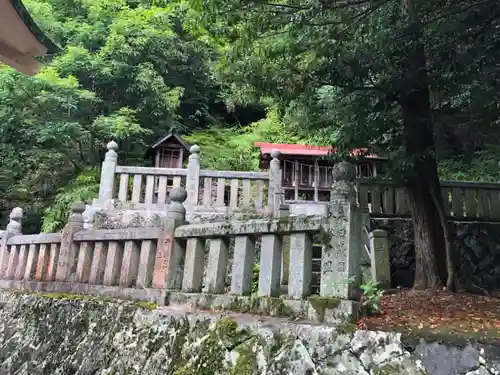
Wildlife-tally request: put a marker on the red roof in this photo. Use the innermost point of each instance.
(304, 150)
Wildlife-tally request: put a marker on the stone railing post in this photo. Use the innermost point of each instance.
(284, 213)
(193, 177)
(68, 252)
(169, 262)
(107, 183)
(340, 263)
(13, 228)
(275, 194)
(380, 263)
(365, 260)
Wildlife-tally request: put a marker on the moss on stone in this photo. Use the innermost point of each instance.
(346, 328)
(272, 306)
(73, 297)
(226, 327)
(318, 302)
(388, 369)
(321, 304)
(146, 305)
(209, 358)
(246, 363)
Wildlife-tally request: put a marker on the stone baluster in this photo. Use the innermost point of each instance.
(380, 262)
(68, 252)
(218, 255)
(83, 267)
(284, 213)
(275, 193)
(107, 183)
(9, 258)
(130, 263)
(193, 177)
(169, 262)
(194, 264)
(242, 269)
(270, 265)
(299, 283)
(365, 259)
(340, 262)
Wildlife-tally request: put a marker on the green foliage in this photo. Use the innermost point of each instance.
(372, 294)
(480, 166)
(83, 188)
(326, 73)
(233, 148)
(255, 278)
(128, 72)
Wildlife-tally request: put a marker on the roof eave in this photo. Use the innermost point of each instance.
(23, 13)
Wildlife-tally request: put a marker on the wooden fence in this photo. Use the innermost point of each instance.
(463, 201)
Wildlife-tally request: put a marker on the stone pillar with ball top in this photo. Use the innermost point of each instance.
(169, 262)
(14, 228)
(107, 183)
(342, 240)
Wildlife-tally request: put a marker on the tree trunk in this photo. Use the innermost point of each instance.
(418, 132)
(430, 265)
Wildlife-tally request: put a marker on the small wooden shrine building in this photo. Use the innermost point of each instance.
(307, 172)
(21, 40)
(170, 151)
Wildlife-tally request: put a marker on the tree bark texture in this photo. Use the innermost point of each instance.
(418, 131)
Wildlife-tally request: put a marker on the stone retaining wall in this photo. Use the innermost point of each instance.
(64, 334)
(476, 250)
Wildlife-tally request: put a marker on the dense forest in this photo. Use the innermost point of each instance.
(414, 79)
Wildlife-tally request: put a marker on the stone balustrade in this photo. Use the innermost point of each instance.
(150, 188)
(179, 262)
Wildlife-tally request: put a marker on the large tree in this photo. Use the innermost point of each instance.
(385, 73)
(129, 70)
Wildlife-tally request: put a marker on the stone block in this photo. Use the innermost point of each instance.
(270, 265)
(217, 265)
(243, 261)
(299, 283)
(193, 265)
(130, 264)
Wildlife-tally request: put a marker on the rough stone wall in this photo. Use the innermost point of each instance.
(94, 337)
(476, 249)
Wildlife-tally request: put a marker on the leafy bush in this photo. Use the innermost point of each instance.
(372, 294)
(84, 188)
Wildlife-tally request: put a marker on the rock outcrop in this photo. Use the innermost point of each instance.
(83, 336)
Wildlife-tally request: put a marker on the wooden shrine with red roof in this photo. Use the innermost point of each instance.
(307, 170)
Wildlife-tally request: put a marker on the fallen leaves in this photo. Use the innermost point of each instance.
(469, 316)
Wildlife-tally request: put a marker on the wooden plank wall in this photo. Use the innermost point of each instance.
(463, 201)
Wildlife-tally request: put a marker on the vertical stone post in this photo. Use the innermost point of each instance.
(380, 263)
(340, 263)
(365, 258)
(243, 261)
(68, 252)
(13, 228)
(270, 265)
(275, 194)
(284, 213)
(193, 177)
(107, 183)
(169, 262)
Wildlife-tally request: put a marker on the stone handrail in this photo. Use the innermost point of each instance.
(235, 175)
(252, 227)
(171, 258)
(149, 188)
(120, 169)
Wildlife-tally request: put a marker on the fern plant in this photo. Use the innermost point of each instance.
(84, 188)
